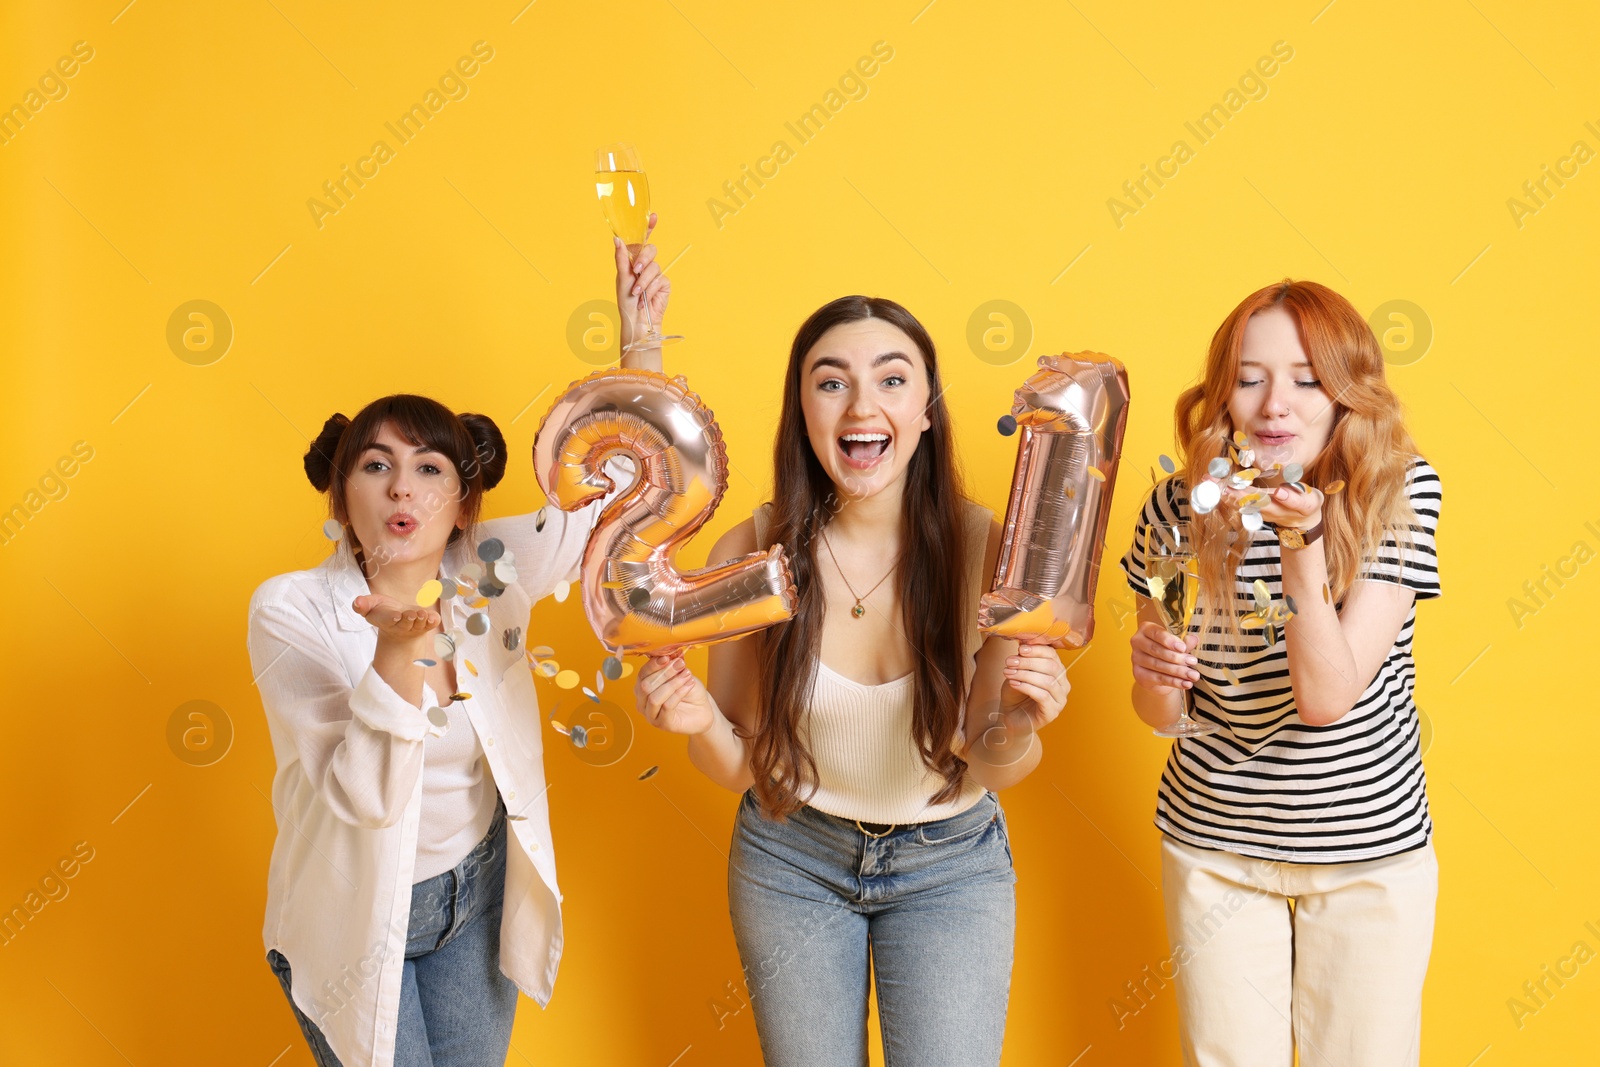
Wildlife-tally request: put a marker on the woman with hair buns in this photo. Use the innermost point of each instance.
(412, 890)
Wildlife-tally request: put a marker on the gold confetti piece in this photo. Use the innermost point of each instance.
(560, 728)
(1096, 473)
(1071, 493)
(1334, 486)
(1240, 438)
(627, 669)
(480, 602)
(614, 585)
(429, 593)
(1250, 474)
(1327, 594)
(649, 773)
(1233, 679)
(470, 667)
(460, 696)
(1251, 621)
(1263, 597)
(567, 679)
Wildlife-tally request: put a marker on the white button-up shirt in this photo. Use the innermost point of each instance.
(348, 789)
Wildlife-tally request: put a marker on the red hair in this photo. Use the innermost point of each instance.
(1368, 448)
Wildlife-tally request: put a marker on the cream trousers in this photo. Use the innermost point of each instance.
(1326, 956)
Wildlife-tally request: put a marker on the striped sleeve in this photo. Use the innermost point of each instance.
(1162, 504)
(1412, 561)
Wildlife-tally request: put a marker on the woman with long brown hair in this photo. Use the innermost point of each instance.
(869, 733)
(1297, 862)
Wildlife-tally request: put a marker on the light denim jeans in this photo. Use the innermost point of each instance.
(934, 904)
(456, 1008)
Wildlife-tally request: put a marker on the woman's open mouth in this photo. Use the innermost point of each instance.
(863, 451)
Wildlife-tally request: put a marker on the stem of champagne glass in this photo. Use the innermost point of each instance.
(649, 319)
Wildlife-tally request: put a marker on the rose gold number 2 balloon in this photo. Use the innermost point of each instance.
(1072, 413)
(635, 598)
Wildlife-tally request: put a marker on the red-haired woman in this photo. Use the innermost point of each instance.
(412, 889)
(1297, 862)
(869, 839)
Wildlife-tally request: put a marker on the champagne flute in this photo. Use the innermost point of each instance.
(1172, 574)
(624, 193)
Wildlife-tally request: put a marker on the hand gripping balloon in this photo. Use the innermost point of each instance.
(635, 598)
(1072, 413)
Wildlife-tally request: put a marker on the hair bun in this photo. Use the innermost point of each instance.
(319, 457)
(490, 446)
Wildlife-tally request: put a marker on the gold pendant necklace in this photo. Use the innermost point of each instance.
(858, 611)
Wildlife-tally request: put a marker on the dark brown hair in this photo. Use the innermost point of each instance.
(934, 615)
(472, 443)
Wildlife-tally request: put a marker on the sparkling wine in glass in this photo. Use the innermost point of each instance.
(624, 191)
(1172, 573)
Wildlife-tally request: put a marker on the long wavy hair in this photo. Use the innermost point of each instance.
(1368, 448)
(934, 612)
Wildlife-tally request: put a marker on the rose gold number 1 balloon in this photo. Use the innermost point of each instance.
(635, 597)
(1072, 413)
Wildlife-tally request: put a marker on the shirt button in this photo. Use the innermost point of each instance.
(511, 796)
(490, 742)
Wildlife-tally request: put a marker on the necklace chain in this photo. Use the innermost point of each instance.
(858, 611)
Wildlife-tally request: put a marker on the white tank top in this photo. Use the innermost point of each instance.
(859, 736)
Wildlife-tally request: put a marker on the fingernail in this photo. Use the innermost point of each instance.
(618, 241)
(1191, 660)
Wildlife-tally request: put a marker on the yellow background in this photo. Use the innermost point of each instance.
(977, 167)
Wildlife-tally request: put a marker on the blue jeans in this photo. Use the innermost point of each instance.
(933, 903)
(456, 1008)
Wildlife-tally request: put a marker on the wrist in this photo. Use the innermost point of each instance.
(717, 719)
(1303, 533)
(408, 647)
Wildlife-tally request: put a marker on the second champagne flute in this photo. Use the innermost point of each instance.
(624, 193)
(1172, 574)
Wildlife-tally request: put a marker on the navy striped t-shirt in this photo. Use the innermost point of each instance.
(1268, 785)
